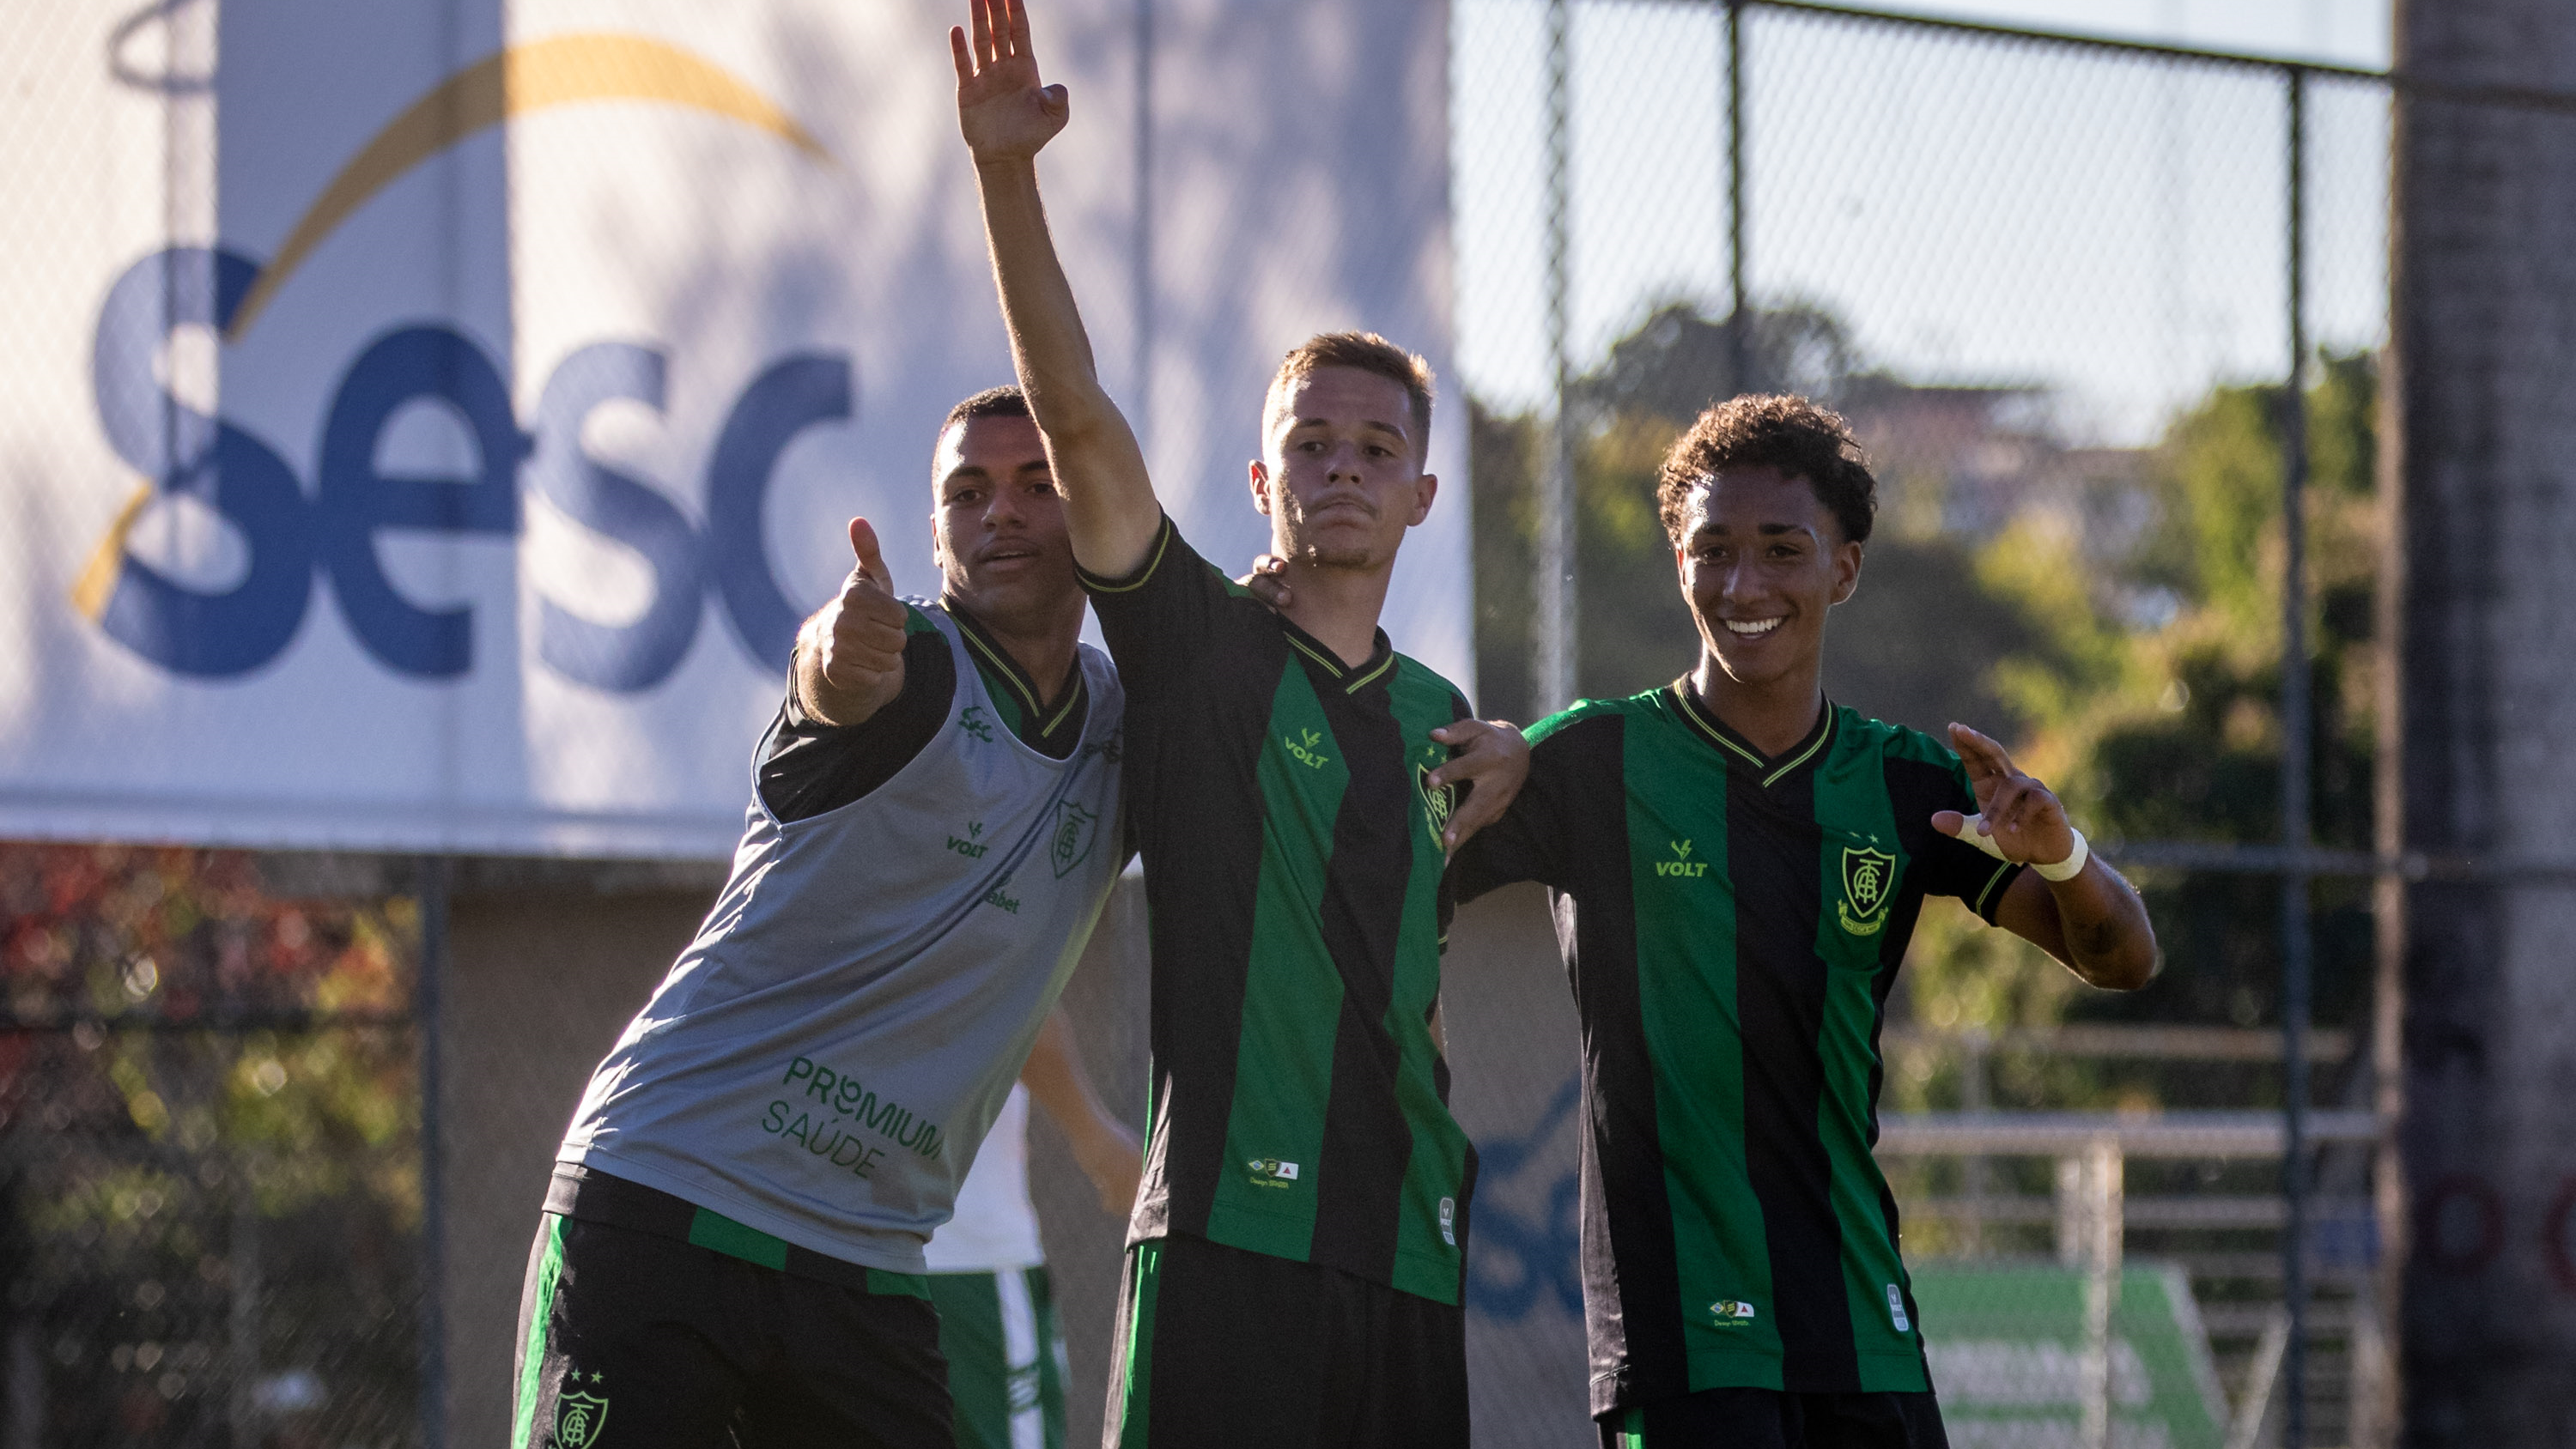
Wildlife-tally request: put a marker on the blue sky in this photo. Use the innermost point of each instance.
(2106, 229)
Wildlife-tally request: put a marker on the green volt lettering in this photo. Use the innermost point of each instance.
(1681, 864)
(974, 845)
(1303, 752)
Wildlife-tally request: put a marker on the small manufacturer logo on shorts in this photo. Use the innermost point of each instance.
(1449, 1221)
(1896, 1309)
(579, 1418)
(1271, 1172)
(1731, 1312)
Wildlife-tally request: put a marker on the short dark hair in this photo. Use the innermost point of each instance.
(1005, 401)
(1367, 352)
(1775, 430)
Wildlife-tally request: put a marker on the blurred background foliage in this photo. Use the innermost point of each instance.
(210, 1195)
(2108, 612)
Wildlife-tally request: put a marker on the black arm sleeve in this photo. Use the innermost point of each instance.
(813, 767)
(1169, 620)
(1528, 843)
(1945, 866)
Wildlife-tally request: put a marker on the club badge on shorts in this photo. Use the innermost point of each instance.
(579, 1418)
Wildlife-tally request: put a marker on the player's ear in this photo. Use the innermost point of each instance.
(1425, 488)
(1847, 559)
(1260, 486)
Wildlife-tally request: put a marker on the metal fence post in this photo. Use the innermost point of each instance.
(431, 978)
(1739, 337)
(1140, 406)
(2295, 729)
(1556, 528)
(2104, 1171)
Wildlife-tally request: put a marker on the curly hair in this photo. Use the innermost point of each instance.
(1779, 431)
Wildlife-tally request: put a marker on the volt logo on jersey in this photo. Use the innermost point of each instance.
(291, 532)
(1681, 865)
(1303, 751)
(1868, 878)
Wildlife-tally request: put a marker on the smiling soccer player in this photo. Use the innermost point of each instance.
(1744, 862)
(732, 1245)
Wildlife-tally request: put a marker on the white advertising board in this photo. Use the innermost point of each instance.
(426, 421)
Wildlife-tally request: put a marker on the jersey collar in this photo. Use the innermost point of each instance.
(1043, 720)
(1352, 678)
(1739, 752)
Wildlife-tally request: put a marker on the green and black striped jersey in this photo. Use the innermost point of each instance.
(1293, 875)
(1732, 924)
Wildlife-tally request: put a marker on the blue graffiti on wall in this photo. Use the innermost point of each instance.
(1516, 1262)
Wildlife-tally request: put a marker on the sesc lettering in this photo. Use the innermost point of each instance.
(294, 534)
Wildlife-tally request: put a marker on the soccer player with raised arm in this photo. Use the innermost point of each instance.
(1738, 863)
(732, 1246)
(1297, 1256)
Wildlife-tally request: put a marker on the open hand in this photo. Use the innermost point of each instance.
(2017, 817)
(1493, 760)
(1003, 111)
(857, 639)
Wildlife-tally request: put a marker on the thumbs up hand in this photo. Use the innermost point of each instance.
(849, 656)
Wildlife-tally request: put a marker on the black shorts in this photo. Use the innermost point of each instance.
(666, 1343)
(1219, 1346)
(1770, 1419)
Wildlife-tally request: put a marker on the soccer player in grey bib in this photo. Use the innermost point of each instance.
(733, 1241)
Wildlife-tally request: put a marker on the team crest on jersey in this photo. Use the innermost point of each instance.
(1869, 881)
(1439, 802)
(1076, 829)
(579, 1418)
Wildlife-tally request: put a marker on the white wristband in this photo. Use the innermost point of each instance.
(2072, 866)
(2067, 869)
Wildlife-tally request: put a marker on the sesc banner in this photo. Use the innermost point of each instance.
(426, 422)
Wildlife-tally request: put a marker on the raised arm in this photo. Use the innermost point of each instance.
(1006, 115)
(2091, 920)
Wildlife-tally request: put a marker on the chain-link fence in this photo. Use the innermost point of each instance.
(2063, 290)
(211, 1189)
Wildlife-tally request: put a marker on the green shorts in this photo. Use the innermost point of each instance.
(1005, 1358)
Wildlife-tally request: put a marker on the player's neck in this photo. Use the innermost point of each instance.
(1339, 606)
(1042, 644)
(1772, 715)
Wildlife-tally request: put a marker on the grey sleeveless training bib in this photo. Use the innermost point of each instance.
(824, 1058)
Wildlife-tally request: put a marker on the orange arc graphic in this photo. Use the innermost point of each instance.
(558, 71)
